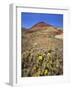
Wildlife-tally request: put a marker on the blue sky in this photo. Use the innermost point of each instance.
(30, 19)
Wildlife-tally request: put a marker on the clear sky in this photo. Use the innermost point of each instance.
(30, 19)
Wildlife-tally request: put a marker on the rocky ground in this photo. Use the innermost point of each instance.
(42, 54)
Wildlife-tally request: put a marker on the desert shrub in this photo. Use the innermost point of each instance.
(42, 62)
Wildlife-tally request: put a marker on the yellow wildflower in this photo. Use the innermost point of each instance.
(45, 72)
(40, 57)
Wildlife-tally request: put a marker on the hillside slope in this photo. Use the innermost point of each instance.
(42, 50)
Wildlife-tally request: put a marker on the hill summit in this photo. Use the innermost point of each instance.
(40, 26)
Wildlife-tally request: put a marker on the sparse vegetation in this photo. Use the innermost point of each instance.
(42, 54)
(42, 62)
